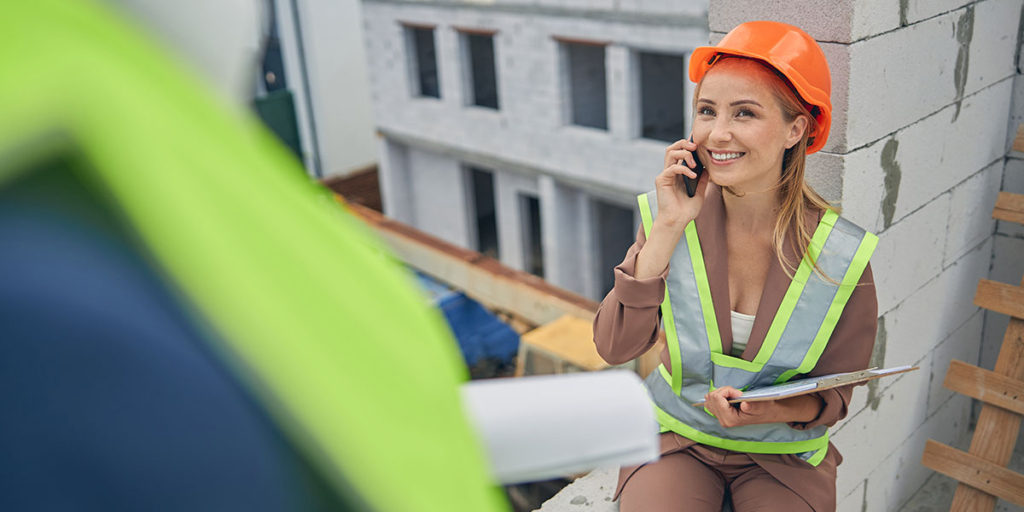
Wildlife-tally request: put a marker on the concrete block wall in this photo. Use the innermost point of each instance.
(920, 93)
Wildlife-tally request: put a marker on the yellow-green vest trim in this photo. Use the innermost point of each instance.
(291, 283)
(795, 340)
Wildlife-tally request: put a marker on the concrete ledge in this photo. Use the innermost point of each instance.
(591, 493)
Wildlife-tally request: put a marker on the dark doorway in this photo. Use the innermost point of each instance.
(533, 261)
(482, 189)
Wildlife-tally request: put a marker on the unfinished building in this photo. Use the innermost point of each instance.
(524, 131)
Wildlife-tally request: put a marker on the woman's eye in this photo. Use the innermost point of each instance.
(745, 113)
(706, 111)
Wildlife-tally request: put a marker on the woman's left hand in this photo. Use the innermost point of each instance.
(747, 413)
(802, 408)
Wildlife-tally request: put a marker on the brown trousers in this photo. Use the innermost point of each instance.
(696, 479)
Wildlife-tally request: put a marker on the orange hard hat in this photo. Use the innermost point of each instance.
(791, 52)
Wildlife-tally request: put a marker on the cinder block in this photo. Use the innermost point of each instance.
(874, 17)
(838, 57)
(993, 50)
(864, 186)
(931, 156)
(909, 253)
(875, 432)
(936, 310)
(838, 21)
(970, 211)
(891, 89)
(825, 175)
(1016, 113)
(963, 345)
(917, 10)
(901, 474)
(853, 501)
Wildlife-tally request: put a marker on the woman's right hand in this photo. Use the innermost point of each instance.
(675, 208)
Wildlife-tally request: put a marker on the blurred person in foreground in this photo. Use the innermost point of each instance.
(765, 283)
(186, 321)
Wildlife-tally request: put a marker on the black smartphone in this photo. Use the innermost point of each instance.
(691, 184)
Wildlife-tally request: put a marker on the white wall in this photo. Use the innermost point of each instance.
(332, 38)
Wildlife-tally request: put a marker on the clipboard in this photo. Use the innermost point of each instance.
(814, 384)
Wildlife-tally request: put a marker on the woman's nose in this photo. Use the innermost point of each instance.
(720, 131)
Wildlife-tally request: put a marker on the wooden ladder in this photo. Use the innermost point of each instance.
(982, 472)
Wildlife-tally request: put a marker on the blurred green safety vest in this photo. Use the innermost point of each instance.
(797, 337)
(303, 300)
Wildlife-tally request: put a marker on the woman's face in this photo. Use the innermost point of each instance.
(739, 127)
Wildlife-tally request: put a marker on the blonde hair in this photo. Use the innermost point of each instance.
(795, 195)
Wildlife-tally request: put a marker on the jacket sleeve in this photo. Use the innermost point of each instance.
(627, 322)
(848, 350)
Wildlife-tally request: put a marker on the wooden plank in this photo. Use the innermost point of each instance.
(1000, 297)
(996, 433)
(1018, 141)
(985, 385)
(1009, 207)
(974, 471)
(483, 279)
(568, 339)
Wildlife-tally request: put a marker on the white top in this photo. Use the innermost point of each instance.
(741, 325)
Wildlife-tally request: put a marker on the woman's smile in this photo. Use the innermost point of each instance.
(724, 157)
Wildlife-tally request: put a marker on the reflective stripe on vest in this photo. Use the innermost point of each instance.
(795, 340)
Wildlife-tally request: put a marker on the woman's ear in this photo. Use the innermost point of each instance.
(796, 131)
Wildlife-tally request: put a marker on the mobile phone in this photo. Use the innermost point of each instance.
(691, 184)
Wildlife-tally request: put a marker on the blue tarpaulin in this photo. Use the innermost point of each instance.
(480, 334)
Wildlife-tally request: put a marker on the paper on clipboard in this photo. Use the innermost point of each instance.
(812, 384)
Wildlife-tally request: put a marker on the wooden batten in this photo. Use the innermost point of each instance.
(1009, 207)
(1018, 141)
(987, 386)
(566, 340)
(1001, 298)
(974, 471)
(481, 278)
(982, 472)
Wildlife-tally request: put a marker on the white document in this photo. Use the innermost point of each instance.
(538, 428)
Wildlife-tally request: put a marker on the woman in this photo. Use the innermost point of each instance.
(747, 304)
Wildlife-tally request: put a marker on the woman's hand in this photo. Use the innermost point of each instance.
(675, 207)
(802, 408)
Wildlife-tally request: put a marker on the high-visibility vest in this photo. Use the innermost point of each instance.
(798, 334)
(306, 308)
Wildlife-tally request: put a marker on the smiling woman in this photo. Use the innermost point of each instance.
(755, 240)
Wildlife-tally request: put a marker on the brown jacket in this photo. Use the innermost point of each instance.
(627, 325)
